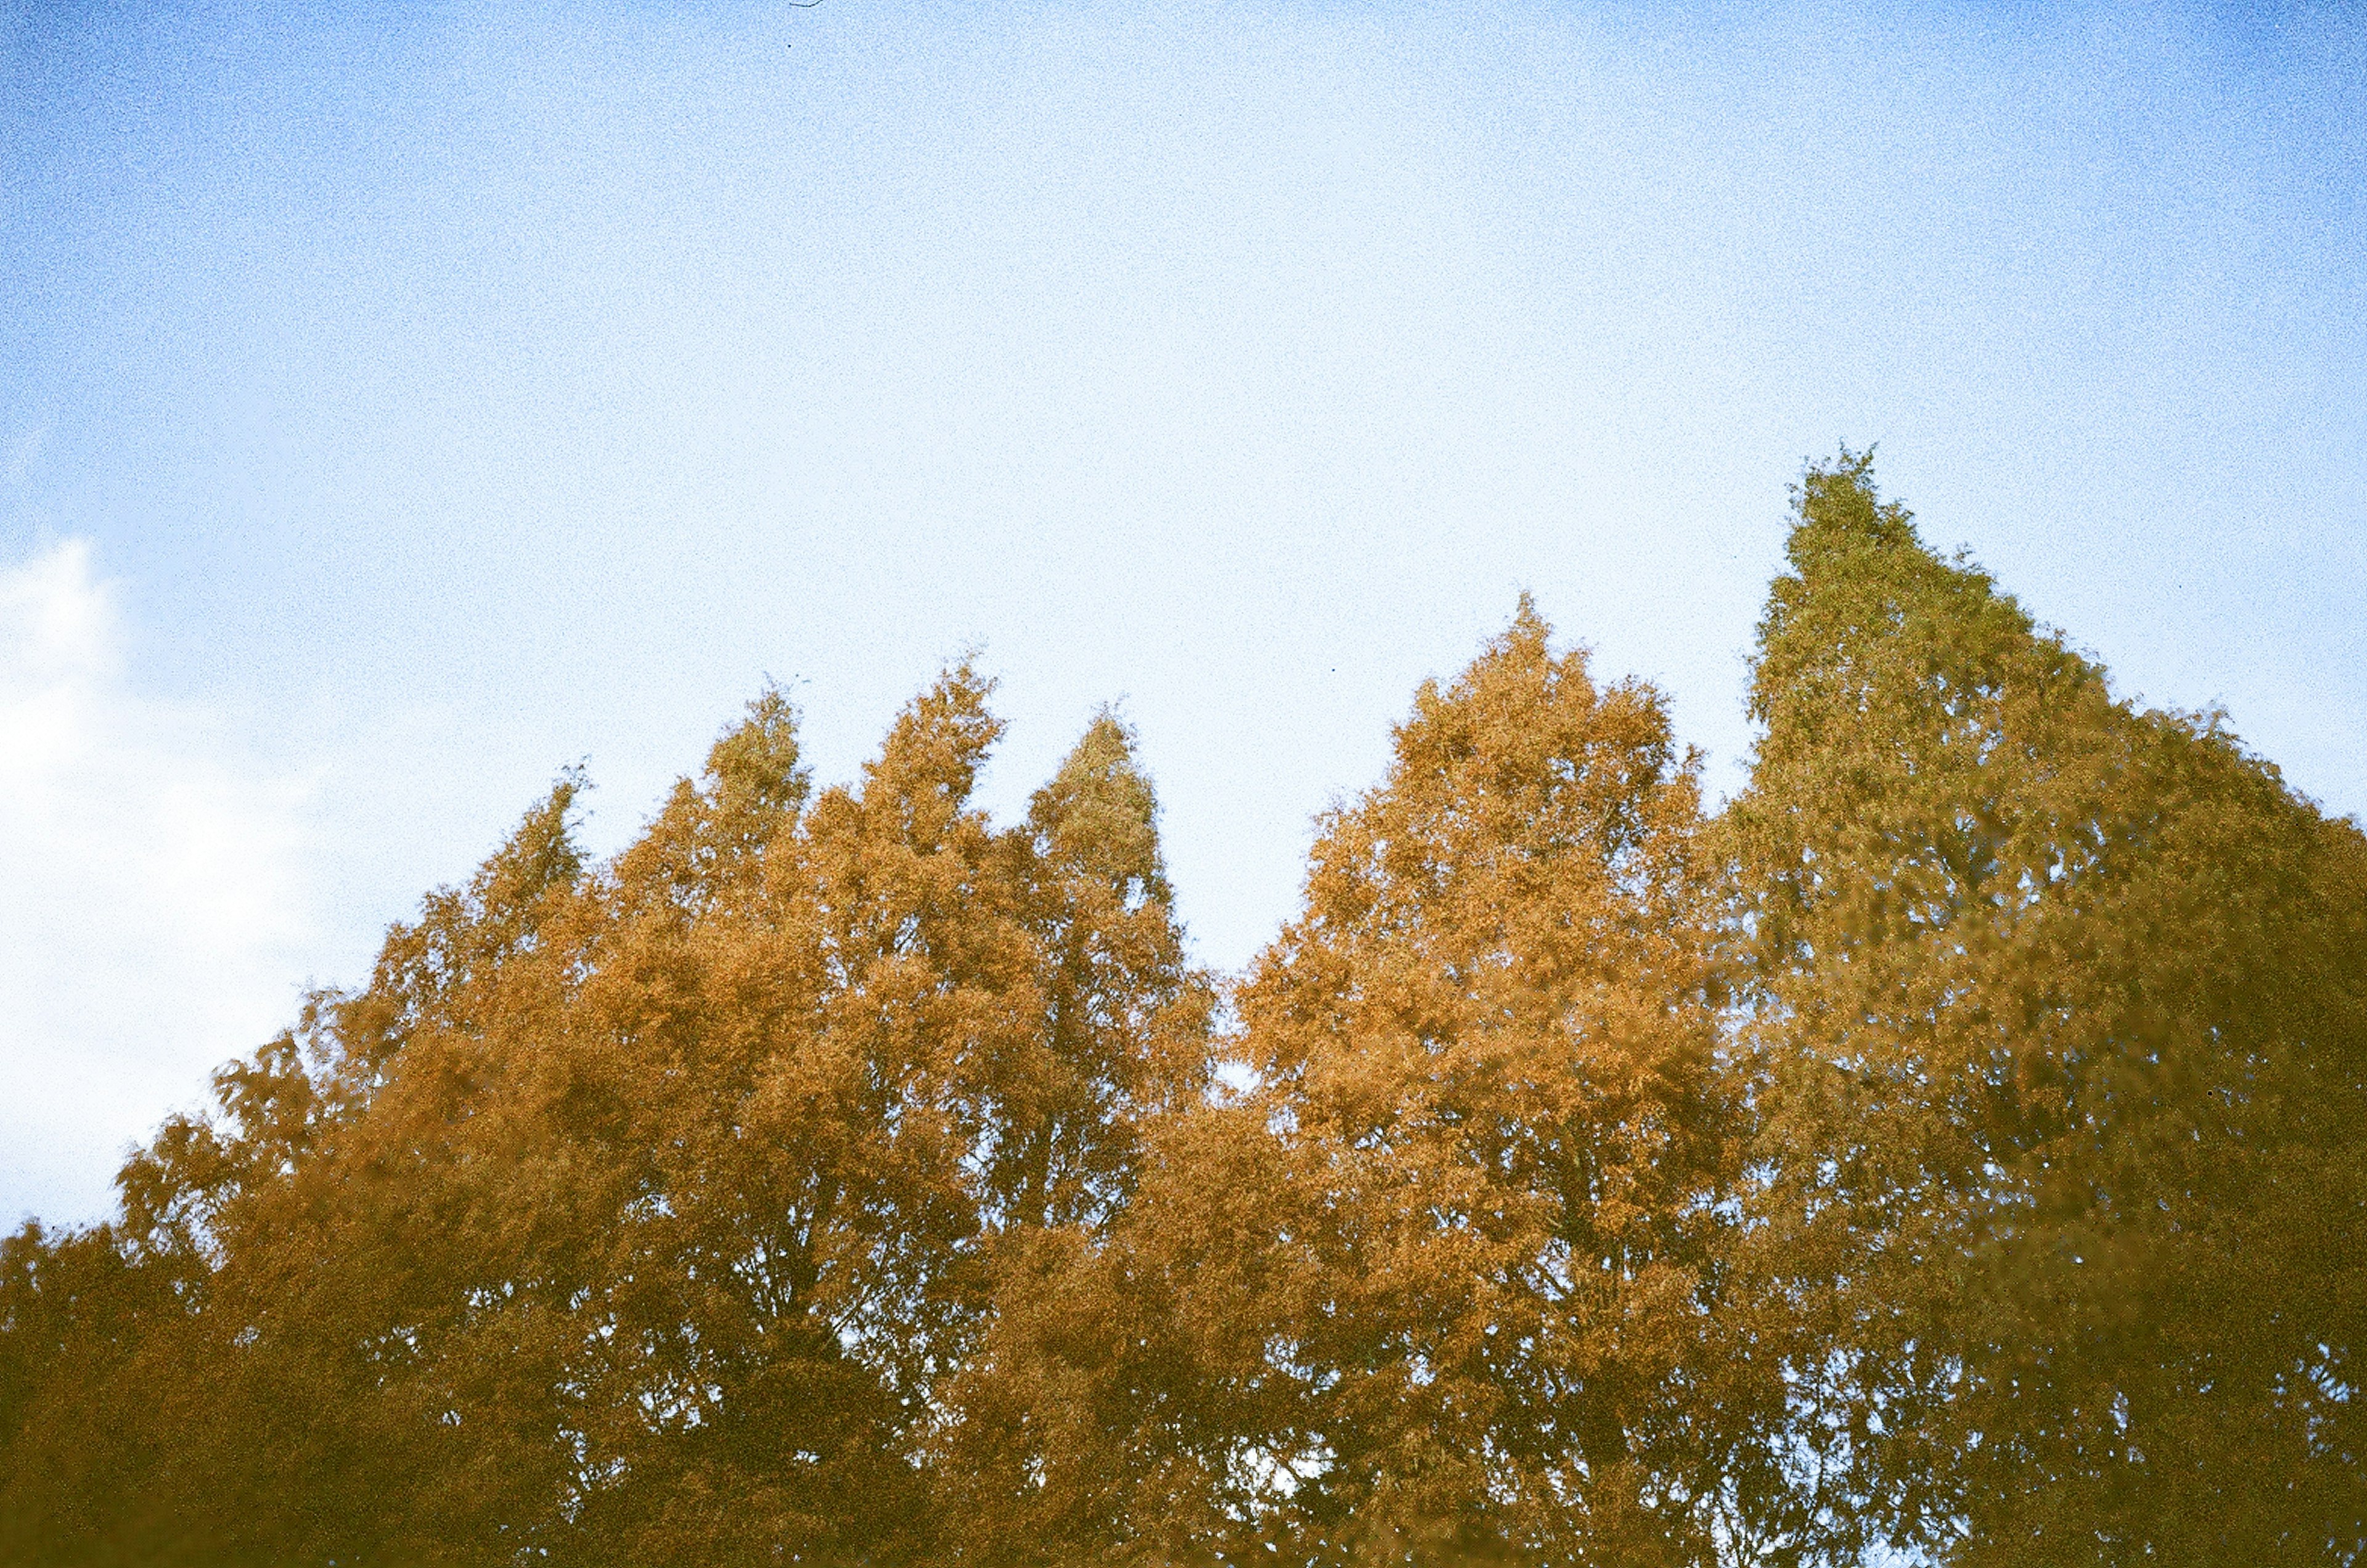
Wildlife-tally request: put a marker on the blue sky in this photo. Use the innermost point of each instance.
(400, 402)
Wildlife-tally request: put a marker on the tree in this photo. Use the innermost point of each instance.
(642, 1212)
(1955, 1144)
(1498, 1135)
(2061, 1051)
(1036, 1464)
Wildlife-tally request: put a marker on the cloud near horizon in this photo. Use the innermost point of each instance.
(157, 896)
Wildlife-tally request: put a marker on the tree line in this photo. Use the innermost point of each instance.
(1954, 1147)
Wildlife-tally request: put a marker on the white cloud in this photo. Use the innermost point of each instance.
(152, 907)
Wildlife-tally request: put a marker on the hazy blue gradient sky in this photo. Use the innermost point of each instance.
(400, 402)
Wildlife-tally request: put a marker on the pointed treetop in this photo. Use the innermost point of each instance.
(1099, 812)
(1841, 508)
(1864, 591)
(929, 764)
(539, 855)
(754, 764)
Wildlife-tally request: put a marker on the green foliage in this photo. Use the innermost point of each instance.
(2061, 1031)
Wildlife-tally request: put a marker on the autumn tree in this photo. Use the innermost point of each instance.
(1497, 1133)
(807, 1065)
(1955, 1144)
(77, 1309)
(641, 1212)
(246, 1412)
(1036, 1462)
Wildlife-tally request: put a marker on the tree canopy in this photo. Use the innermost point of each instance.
(1955, 1146)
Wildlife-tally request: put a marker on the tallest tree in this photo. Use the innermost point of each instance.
(2062, 1027)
